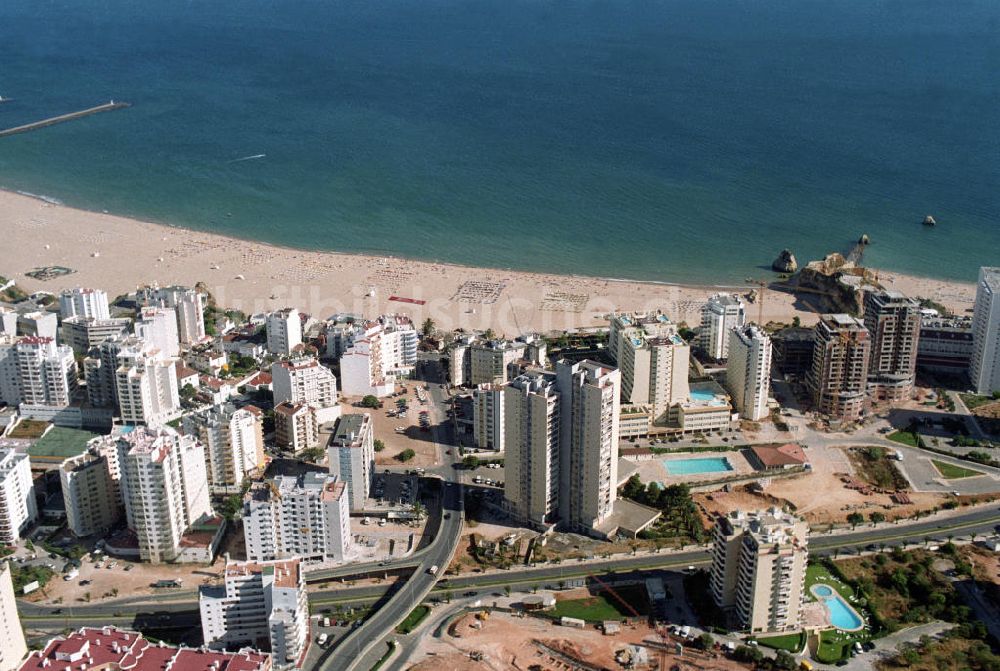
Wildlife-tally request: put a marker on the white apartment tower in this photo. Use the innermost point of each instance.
(158, 327)
(373, 354)
(18, 510)
(46, 372)
(82, 302)
(90, 489)
(748, 371)
(234, 442)
(260, 601)
(532, 435)
(295, 426)
(488, 417)
(13, 647)
(306, 381)
(351, 456)
(164, 487)
(759, 568)
(653, 360)
(893, 323)
(284, 331)
(720, 315)
(984, 367)
(307, 516)
(146, 386)
(189, 306)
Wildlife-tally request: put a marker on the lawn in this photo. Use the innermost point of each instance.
(833, 646)
(953, 472)
(790, 642)
(603, 606)
(817, 573)
(904, 438)
(413, 619)
(973, 401)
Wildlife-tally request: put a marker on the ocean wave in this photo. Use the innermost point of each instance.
(48, 199)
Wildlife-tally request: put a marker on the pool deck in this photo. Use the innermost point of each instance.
(654, 469)
(821, 600)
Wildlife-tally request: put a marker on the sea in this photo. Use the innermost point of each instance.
(666, 140)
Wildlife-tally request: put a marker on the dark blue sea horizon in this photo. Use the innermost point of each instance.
(672, 140)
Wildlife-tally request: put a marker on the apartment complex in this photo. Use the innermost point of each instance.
(474, 359)
(759, 569)
(984, 367)
(351, 456)
(188, 306)
(306, 380)
(893, 323)
(295, 426)
(91, 489)
(84, 302)
(284, 331)
(653, 360)
(158, 328)
(748, 371)
(13, 647)
(561, 434)
(145, 384)
(164, 486)
(488, 417)
(18, 509)
(720, 315)
(376, 355)
(260, 604)
(839, 376)
(37, 371)
(85, 333)
(945, 344)
(111, 649)
(305, 516)
(234, 442)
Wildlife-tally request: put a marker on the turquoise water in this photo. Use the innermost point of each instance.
(702, 396)
(697, 466)
(842, 616)
(654, 139)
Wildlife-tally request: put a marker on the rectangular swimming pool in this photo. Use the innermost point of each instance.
(697, 465)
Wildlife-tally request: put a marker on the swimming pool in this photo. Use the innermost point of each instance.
(701, 395)
(842, 616)
(697, 465)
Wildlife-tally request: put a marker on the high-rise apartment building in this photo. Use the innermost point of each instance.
(839, 376)
(164, 487)
(146, 386)
(259, 601)
(18, 509)
(374, 354)
(188, 305)
(85, 333)
(759, 568)
(561, 434)
(13, 647)
(234, 443)
(284, 331)
(83, 302)
(305, 516)
(295, 426)
(351, 456)
(90, 489)
(653, 360)
(488, 417)
(46, 373)
(984, 366)
(720, 315)
(306, 380)
(893, 323)
(748, 371)
(158, 328)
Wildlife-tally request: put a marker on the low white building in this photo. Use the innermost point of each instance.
(18, 510)
(305, 516)
(259, 601)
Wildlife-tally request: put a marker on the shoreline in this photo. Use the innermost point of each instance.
(118, 253)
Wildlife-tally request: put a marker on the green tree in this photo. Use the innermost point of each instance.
(405, 455)
(705, 641)
(854, 519)
(633, 488)
(471, 462)
(371, 401)
(379, 445)
(876, 517)
(187, 392)
(428, 327)
(784, 660)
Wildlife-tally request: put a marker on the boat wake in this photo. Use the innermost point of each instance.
(248, 158)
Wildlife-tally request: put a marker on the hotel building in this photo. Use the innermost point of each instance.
(984, 367)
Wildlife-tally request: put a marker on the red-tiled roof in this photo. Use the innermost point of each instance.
(773, 456)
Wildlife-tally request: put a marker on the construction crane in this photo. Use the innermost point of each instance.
(663, 637)
(762, 286)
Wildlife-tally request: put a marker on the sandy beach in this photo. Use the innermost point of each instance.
(118, 254)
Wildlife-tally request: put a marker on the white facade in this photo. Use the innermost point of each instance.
(83, 333)
(189, 306)
(284, 331)
(984, 366)
(40, 324)
(295, 426)
(18, 510)
(90, 489)
(489, 417)
(351, 456)
(146, 387)
(748, 371)
(653, 360)
(158, 327)
(234, 443)
(306, 380)
(720, 315)
(532, 436)
(82, 302)
(46, 373)
(306, 516)
(164, 487)
(373, 354)
(13, 647)
(260, 601)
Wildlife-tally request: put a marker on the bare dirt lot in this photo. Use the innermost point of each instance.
(509, 642)
(421, 442)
